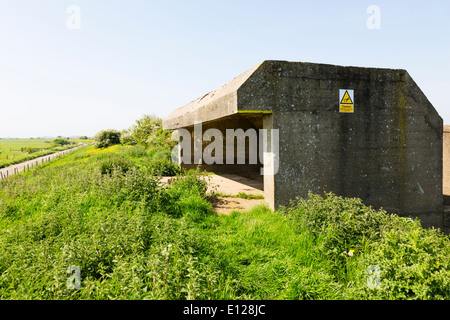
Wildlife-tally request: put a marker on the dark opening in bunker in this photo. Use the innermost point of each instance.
(238, 155)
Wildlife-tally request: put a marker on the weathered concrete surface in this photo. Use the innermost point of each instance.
(446, 163)
(388, 152)
(214, 105)
(446, 177)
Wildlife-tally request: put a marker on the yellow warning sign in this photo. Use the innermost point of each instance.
(346, 108)
(346, 101)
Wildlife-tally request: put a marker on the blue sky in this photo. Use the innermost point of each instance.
(134, 57)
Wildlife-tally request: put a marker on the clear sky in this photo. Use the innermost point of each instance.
(64, 73)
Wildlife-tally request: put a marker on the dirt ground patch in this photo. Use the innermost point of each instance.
(226, 205)
(232, 185)
(228, 186)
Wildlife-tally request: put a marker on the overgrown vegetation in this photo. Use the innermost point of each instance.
(412, 262)
(148, 131)
(133, 238)
(106, 138)
(150, 142)
(242, 195)
(61, 142)
(105, 211)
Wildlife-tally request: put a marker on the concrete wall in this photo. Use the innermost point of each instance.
(446, 164)
(388, 152)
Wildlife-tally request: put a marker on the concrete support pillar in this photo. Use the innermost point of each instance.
(268, 169)
(176, 151)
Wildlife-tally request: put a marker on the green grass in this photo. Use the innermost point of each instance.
(13, 146)
(241, 195)
(103, 211)
(13, 151)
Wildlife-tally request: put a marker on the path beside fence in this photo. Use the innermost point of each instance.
(28, 165)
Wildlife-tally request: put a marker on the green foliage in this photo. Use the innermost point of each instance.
(249, 196)
(15, 151)
(128, 235)
(160, 139)
(149, 133)
(242, 195)
(190, 183)
(61, 142)
(135, 238)
(163, 167)
(127, 138)
(412, 260)
(413, 263)
(162, 164)
(136, 152)
(345, 222)
(106, 138)
(111, 162)
(145, 128)
(30, 150)
(149, 138)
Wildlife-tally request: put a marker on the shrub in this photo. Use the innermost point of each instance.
(413, 264)
(163, 167)
(161, 163)
(148, 132)
(136, 152)
(30, 150)
(61, 142)
(189, 183)
(412, 261)
(144, 128)
(112, 162)
(127, 137)
(344, 221)
(161, 138)
(187, 195)
(106, 138)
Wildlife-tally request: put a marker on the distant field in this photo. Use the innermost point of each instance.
(14, 151)
(11, 147)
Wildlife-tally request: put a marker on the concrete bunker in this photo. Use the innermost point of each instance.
(384, 146)
(446, 171)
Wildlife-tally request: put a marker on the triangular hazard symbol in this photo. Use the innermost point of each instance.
(346, 99)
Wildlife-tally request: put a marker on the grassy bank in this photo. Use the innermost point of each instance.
(14, 151)
(102, 211)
